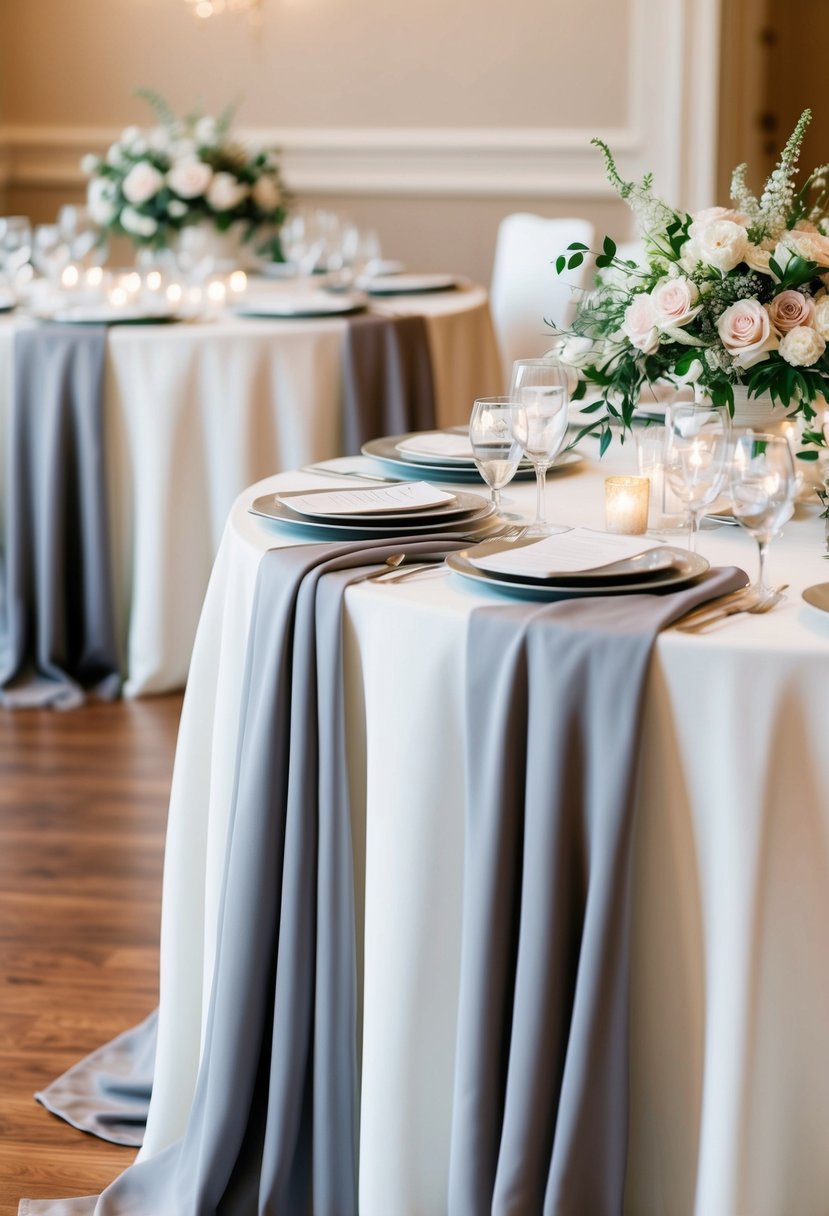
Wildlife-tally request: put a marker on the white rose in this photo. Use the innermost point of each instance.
(142, 183)
(712, 215)
(129, 136)
(265, 194)
(802, 346)
(225, 192)
(100, 198)
(205, 131)
(810, 245)
(576, 351)
(176, 208)
(115, 155)
(640, 323)
(675, 302)
(89, 164)
(821, 321)
(722, 244)
(139, 225)
(189, 178)
(746, 333)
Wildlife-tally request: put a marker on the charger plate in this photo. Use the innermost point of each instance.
(270, 508)
(385, 450)
(687, 567)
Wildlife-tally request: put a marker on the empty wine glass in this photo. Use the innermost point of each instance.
(541, 389)
(495, 448)
(50, 252)
(763, 487)
(15, 245)
(697, 448)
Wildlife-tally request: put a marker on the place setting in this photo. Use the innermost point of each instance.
(371, 512)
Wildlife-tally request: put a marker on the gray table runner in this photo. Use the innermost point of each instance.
(387, 379)
(553, 703)
(59, 631)
(273, 1126)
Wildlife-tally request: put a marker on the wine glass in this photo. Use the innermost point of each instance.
(495, 448)
(15, 245)
(50, 252)
(697, 448)
(541, 389)
(763, 487)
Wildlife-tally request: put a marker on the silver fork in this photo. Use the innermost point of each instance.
(757, 606)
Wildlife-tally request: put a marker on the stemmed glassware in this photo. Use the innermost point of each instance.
(15, 246)
(763, 487)
(541, 388)
(697, 450)
(495, 447)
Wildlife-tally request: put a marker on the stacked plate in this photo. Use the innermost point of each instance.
(407, 284)
(444, 455)
(297, 305)
(402, 509)
(577, 563)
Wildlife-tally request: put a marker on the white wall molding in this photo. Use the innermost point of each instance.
(668, 127)
(506, 162)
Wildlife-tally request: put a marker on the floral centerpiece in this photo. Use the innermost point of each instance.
(154, 182)
(727, 297)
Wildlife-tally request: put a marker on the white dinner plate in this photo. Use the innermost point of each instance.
(409, 284)
(686, 568)
(385, 450)
(107, 314)
(463, 504)
(269, 507)
(300, 305)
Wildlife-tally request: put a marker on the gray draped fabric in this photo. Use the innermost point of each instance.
(273, 1127)
(108, 1092)
(387, 379)
(59, 638)
(553, 704)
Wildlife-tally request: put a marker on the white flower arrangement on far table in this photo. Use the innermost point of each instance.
(725, 297)
(153, 182)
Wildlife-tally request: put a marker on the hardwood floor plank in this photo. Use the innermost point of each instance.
(83, 805)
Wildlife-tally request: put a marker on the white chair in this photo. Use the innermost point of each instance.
(525, 291)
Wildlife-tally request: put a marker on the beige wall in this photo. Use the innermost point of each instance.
(430, 120)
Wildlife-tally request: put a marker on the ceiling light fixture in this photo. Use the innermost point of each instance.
(203, 9)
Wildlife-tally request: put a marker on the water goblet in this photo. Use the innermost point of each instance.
(495, 448)
(697, 449)
(541, 388)
(763, 485)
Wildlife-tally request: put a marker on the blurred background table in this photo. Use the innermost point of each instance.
(195, 411)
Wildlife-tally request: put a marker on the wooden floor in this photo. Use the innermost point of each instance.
(83, 803)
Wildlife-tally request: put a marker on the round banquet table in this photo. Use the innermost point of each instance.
(194, 412)
(730, 1007)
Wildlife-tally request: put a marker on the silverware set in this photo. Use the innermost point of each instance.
(417, 563)
(748, 599)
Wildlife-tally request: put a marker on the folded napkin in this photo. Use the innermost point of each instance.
(387, 374)
(59, 640)
(553, 701)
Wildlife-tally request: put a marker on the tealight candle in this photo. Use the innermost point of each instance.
(70, 277)
(238, 282)
(626, 504)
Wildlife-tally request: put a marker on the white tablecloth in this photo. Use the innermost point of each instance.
(730, 1026)
(196, 412)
